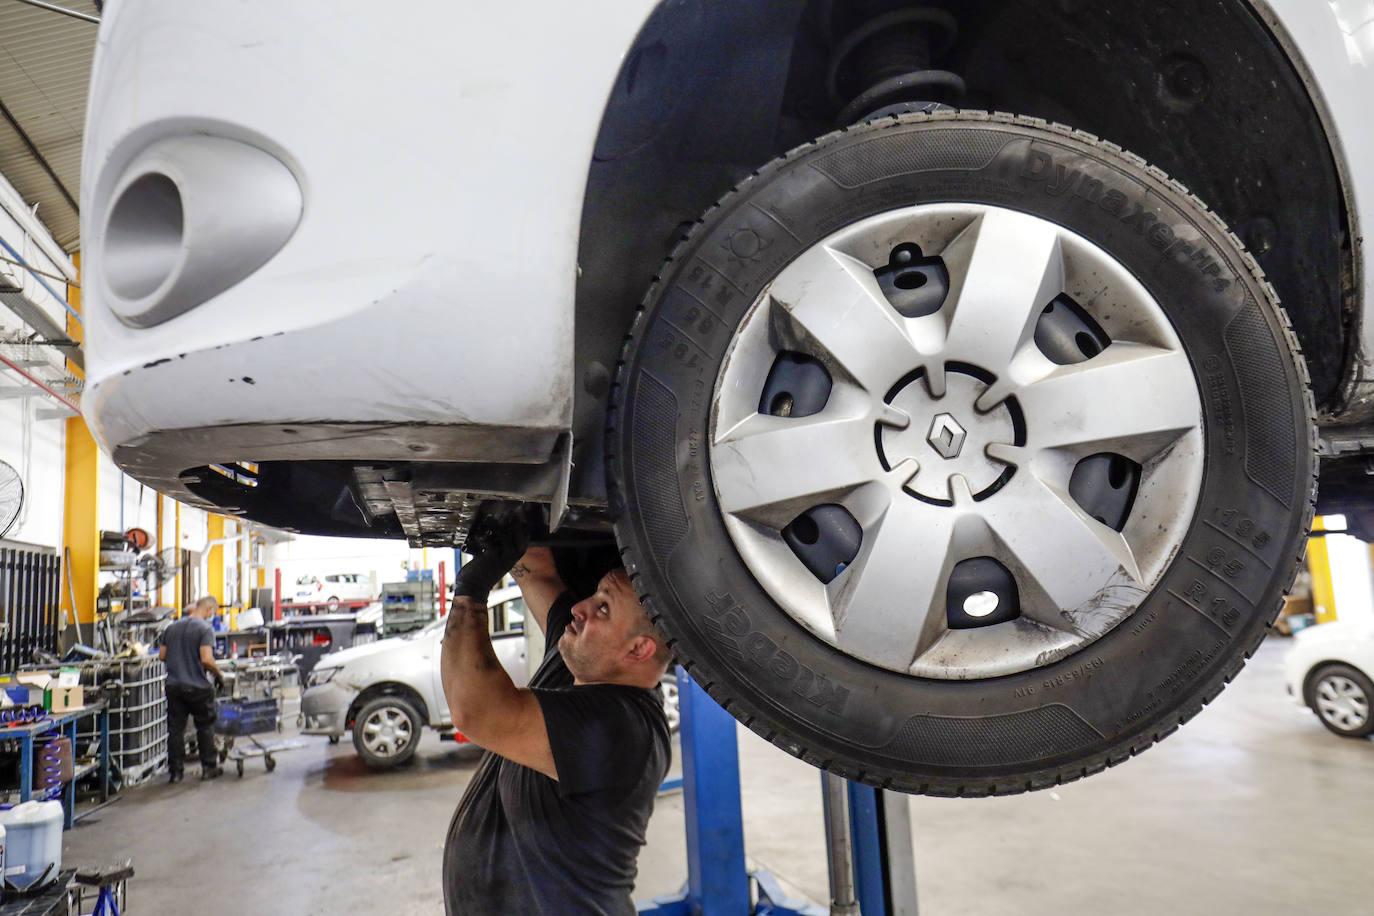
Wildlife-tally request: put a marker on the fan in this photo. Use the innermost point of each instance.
(11, 497)
(157, 568)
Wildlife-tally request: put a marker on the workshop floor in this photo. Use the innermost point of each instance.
(1252, 808)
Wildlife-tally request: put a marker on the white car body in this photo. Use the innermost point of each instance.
(316, 353)
(525, 249)
(1348, 643)
(408, 664)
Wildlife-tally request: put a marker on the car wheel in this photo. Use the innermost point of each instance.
(961, 454)
(1340, 696)
(671, 711)
(386, 732)
(333, 603)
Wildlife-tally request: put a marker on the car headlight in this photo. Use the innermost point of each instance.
(322, 676)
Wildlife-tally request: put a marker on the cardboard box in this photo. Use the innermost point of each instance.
(63, 699)
(37, 683)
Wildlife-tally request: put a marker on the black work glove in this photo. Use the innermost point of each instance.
(495, 544)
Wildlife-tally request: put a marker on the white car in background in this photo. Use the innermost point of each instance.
(954, 377)
(386, 692)
(333, 589)
(1330, 670)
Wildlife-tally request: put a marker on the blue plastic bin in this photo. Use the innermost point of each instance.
(246, 717)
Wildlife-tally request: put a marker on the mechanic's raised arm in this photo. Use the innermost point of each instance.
(539, 583)
(483, 702)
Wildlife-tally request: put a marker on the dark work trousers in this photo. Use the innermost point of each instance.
(197, 702)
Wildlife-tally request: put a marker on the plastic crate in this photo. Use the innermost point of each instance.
(246, 717)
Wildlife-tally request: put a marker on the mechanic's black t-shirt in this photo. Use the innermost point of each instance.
(522, 844)
(183, 640)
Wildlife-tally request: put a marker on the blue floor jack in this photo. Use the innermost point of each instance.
(868, 834)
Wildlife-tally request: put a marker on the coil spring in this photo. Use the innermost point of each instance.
(22, 715)
(884, 57)
(50, 767)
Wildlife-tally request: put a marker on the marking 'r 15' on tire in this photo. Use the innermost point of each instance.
(961, 454)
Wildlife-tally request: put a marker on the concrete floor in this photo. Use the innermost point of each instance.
(1252, 808)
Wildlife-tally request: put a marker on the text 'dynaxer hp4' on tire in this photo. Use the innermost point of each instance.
(962, 453)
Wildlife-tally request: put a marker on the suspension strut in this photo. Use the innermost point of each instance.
(883, 55)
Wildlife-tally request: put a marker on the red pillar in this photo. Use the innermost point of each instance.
(276, 597)
(443, 591)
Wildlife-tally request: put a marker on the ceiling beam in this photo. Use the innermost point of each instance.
(38, 157)
(53, 7)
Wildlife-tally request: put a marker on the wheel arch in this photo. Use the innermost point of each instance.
(389, 689)
(694, 110)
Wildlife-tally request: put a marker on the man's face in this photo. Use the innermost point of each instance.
(599, 642)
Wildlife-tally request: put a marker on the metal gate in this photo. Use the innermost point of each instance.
(30, 587)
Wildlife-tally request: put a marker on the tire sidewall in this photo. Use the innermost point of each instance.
(1169, 656)
(386, 763)
(1354, 674)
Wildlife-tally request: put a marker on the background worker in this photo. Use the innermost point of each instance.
(555, 816)
(187, 649)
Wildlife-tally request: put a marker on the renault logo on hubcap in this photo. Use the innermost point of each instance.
(946, 436)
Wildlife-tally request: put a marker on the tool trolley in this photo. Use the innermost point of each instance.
(252, 708)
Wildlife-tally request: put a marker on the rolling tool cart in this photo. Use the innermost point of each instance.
(254, 708)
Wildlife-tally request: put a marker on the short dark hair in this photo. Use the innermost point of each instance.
(663, 653)
(580, 567)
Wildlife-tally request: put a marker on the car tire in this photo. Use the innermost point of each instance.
(1341, 695)
(386, 732)
(1100, 613)
(333, 603)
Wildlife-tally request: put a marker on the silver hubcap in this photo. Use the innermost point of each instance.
(1341, 702)
(387, 732)
(923, 508)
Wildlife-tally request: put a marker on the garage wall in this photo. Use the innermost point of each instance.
(385, 559)
(124, 502)
(36, 449)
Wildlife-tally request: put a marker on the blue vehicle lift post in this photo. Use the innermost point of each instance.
(868, 831)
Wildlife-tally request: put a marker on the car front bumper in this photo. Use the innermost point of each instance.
(324, 709)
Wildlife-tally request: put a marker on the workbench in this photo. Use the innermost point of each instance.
(65, 725)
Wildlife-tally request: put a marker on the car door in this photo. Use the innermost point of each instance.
(508, 638)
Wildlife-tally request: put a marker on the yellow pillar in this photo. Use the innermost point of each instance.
(215, 566)
(176, 558)
(80, 528)
(1319, 564)
(160, 544)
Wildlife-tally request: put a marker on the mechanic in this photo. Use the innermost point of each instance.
(187, 649)
(555, 815)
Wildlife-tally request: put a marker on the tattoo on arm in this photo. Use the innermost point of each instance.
(519, 570)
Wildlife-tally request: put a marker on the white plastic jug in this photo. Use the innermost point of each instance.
(33, 843)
